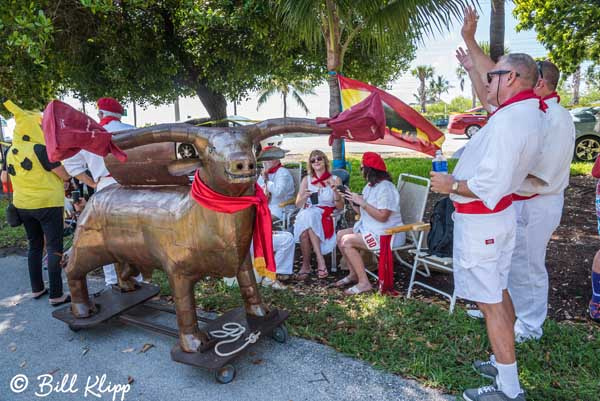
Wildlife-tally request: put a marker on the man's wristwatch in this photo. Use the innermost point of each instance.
(455, 187)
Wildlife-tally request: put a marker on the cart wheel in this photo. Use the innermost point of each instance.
(225, 374)
(74, 329)
(280, 334)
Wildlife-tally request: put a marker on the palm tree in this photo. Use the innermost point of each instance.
(576, 85)
(497, 30)
(296, 89)
(338, 23)
(422, 73)
(461, 74)
(438, 86)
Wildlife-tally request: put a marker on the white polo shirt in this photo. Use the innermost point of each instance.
(496, 161)
(281, 187)
(554, 165)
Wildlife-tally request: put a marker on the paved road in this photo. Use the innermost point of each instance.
(303, 145)
(32, 343)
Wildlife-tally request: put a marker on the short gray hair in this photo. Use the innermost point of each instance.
(525, 65)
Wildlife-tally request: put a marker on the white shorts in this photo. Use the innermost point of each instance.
(482, 251)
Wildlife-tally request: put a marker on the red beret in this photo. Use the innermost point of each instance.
(110, 104)
(373, 160)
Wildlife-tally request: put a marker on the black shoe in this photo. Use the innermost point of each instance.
(65, 301)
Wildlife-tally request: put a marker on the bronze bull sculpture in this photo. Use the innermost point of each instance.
(146, 227)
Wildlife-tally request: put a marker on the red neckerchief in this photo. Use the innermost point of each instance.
(524, 95)
(262, 237)
(274, 169)
(108, 119)
(327, 221)
(321, 180)
(550, 96)
(386, 266)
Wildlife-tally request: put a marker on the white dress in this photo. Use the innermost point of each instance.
(310, 217)
(382, 195)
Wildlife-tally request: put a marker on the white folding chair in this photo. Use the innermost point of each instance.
(296, 171)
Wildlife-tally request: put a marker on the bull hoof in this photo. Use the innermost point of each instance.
(81, 310)
(127, 286)
(191, 342)
(257, 310)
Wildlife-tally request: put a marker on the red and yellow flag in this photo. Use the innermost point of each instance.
(405, 127)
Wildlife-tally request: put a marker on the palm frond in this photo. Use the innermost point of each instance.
(300, 102)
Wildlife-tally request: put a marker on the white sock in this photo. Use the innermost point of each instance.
(493, 359)
(508, 379)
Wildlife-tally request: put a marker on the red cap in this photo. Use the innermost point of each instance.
(373, 160)
(110, 104)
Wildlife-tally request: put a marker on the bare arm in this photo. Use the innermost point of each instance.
(378, 214)
(464, 58)
(83, 177)
(303, 194)
(61, 173)
(483, 63)
(442, 183)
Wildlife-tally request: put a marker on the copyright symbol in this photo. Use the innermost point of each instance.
(19, 383)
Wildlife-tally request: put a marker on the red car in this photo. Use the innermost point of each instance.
(467, 123)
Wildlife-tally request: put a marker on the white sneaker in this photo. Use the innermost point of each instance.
(274, 284)
(475, 313)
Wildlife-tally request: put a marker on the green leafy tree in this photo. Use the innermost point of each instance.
(437, 87)
(592, 77)
(570, 30)
(423, 73)
(295, 89)
(377, 26)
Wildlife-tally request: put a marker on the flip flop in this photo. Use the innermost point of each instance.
(301, 276)
(41, 294)
(65, 301)
(344, 282)
(322, 273)
(355, 291)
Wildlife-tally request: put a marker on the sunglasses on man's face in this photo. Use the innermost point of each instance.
(316, 159)
(490, 75)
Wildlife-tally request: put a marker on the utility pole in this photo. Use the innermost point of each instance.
(134, 115)
(177, 116)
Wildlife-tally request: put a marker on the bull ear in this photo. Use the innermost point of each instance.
(277, 126)
(179, 132)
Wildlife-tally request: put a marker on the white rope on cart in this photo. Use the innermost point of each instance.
(233, 331)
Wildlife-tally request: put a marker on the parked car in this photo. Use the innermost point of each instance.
(467, 123)
(587, 139)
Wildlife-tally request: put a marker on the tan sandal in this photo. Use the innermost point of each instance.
(344, 282)
(355, 291)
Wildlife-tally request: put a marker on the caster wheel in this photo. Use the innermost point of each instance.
(280, 334)
(225, 374)
(74, 329)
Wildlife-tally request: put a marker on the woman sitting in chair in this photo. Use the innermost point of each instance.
(379, 210)
(318, 197)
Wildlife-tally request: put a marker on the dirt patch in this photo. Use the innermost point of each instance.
(569, 256)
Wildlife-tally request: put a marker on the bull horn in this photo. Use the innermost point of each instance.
(177, 132)
(276, 126)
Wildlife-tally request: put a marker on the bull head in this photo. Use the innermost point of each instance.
(226, 153)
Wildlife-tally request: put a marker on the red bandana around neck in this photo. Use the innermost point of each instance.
(274, 169)
(552, 95)
(321, 180)
(262, 237)
(108, 119)
(524, 95)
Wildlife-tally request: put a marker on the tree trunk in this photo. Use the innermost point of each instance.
(497, 30)
(576, 85)
(473, 97)
(423, 95)
(177, 114)
(134, 114)
(334, 52)
(284, 95)
(214, 103)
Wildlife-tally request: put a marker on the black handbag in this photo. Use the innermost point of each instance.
(12, 216)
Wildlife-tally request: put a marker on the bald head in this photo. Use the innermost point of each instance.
(550, 74)
(525, 65)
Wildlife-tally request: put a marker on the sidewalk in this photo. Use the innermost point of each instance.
(32, 343)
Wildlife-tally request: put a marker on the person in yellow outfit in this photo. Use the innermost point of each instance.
(39, 200)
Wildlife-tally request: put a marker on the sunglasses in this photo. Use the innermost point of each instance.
(316, 159)
(490, 75)
(539, 66)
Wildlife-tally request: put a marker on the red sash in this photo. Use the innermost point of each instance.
(321, 180)
(386, 266)
(478, 207)
(517, 197)
(274, 169)
(524, 95)
(327, 221)
(264, 262)
(108, 119)
(550, 96)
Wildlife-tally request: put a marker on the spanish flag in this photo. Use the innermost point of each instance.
(405, 127)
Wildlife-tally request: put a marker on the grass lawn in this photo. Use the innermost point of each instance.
(10, 236)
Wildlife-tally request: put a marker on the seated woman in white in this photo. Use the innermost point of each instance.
(314, 227)
(379, 210)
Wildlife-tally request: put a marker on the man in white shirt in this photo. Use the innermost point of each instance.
(278, 184)
(492, 167)
(109, 112)
(539, 207)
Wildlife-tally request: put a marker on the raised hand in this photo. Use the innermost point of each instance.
(469, 24)
(464, 59)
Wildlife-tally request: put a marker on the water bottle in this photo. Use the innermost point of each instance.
(440, 165)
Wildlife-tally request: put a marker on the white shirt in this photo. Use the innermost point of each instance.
(496, 161)
(554, 164)
(281, 187)
(382, 195)
(85, 160)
